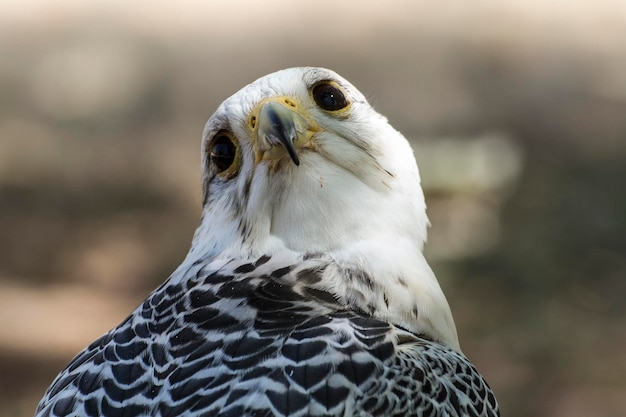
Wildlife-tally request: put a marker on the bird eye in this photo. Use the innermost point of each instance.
(328, 96)
(223, 152)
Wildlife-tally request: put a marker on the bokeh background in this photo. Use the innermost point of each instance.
(516, 111)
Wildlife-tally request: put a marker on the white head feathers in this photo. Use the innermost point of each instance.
(355, 195)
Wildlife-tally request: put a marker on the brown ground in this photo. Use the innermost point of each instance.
(518, 117)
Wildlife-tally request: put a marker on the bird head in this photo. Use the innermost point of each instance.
(300, 158)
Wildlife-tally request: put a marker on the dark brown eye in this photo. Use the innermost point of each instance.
(223, 152)
(329, 97)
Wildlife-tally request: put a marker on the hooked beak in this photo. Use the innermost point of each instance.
(281, 129)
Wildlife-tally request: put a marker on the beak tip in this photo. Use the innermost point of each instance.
(293, 154)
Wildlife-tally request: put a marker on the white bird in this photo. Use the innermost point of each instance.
(305, 291)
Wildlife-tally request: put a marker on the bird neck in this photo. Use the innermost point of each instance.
(389, 278)
(379, 270)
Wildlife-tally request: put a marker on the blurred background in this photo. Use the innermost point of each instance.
(516, 111)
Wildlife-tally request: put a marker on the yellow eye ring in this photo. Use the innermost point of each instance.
(224, 154)
(328, 96)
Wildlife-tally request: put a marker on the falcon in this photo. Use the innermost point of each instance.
(305, 291)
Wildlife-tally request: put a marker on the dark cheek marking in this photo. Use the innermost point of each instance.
(205, 193)
(246, 190)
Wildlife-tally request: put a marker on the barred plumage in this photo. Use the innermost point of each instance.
(252, 325)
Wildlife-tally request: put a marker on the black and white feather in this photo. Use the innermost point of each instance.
(305, 291)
